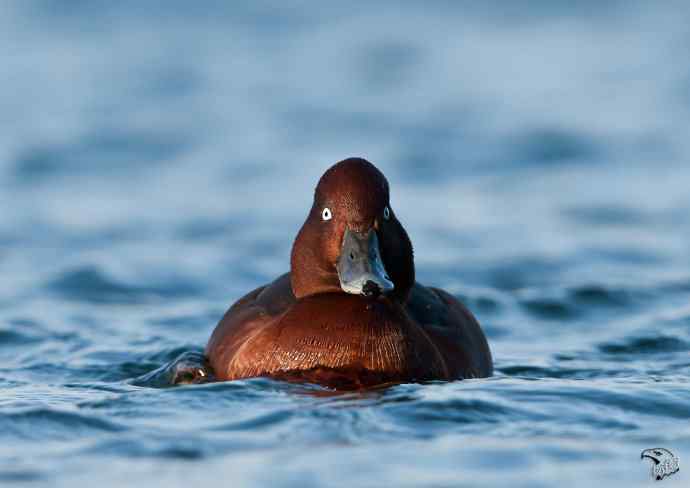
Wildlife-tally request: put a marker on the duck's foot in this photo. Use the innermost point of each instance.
(190, 368)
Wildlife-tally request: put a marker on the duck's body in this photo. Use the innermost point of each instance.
(343, 340)
(350, 314)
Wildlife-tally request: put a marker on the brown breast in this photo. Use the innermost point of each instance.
(339, 338)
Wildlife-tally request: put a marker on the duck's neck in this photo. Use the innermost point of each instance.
(310, 273)
(312, 270)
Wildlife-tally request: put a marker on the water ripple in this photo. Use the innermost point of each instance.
(90, 284)
(652, 344)
(55, 424)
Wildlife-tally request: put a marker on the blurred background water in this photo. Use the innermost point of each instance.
(157, 159)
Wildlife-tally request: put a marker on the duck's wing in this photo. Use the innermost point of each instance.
(246, 318)
(453, 329)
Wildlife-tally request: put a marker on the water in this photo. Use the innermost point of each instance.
(156, 162)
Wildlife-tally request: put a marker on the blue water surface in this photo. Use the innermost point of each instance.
(157, 159)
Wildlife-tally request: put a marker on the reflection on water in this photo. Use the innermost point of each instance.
(157, 159)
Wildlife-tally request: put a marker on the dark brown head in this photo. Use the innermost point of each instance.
(351, 241)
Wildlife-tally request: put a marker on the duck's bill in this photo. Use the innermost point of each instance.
(360, 267)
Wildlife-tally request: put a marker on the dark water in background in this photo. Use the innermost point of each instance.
(156, 161)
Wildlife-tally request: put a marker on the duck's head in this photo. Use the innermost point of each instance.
(352, 241)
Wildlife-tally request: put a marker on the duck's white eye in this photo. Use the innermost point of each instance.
(386, 213)
(326, 214)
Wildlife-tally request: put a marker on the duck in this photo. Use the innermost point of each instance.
(349, 314)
